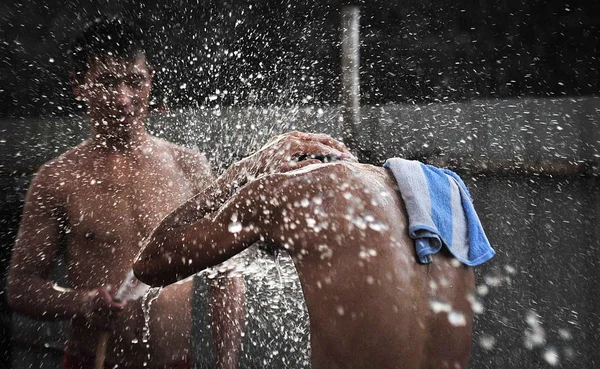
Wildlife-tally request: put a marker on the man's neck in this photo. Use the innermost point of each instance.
(120, 142)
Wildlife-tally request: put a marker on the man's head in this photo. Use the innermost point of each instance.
(112, 76)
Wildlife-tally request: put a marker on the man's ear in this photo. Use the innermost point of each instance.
(77, 85)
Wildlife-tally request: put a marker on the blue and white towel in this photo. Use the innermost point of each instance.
(440, 212)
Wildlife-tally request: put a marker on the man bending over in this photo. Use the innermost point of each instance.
(344, 224)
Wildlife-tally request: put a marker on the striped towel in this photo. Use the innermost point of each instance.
(440, 212)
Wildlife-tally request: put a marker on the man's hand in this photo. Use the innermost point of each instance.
(282, 153)
(99, 308)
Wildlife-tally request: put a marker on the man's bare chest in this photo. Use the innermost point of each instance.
(124, 204)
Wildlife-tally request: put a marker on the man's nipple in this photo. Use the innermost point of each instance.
(89, 235)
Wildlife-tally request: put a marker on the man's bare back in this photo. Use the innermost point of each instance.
(371, 304)
(106, 203)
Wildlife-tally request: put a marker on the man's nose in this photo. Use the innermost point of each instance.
(123, 95)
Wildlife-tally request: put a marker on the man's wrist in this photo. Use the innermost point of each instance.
(235, 177)
(82, 300)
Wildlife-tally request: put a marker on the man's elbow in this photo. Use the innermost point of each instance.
(143, 271)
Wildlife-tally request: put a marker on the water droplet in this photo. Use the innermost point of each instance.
(551, 356)
(378, 227)
(487, 342)
(234, 227)
(359, 222)
(326, 252)
(535, 335)
(457, 319)
(565, 334)
(150, 296)
(438, 306)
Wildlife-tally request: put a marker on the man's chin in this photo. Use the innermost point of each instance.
(121, 122)
(125, 119)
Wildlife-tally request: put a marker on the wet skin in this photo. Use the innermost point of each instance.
(105, 205)
(345, 226)
(103, 198)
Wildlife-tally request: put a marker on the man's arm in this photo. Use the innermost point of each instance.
(160, 261)
(33, 254)
(202, 233)
(187, 241)
(30, 290)
(166, 257)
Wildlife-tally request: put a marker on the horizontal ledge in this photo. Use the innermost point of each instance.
(559, 168)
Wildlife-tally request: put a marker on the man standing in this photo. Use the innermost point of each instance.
(102, 198)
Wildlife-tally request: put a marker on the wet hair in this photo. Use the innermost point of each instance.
(106, 36)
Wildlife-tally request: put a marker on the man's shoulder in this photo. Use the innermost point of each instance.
(193, 163)
(176, 149)
(185, 156)
(64, 164)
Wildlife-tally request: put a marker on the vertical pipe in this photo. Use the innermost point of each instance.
(350, 77)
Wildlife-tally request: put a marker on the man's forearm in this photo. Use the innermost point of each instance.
(168, 235)
(275, 156)
(43, 300)
(205, 202)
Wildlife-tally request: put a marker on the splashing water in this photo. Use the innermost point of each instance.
(234, 227)
(276, 316)
(236, 132)
(551, 356)
(457, 319)
(535, 336)
(150, 296)
(487, 342)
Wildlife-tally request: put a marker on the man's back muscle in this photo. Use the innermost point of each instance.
(369, 301)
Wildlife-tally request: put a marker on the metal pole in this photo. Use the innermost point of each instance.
(350, 78)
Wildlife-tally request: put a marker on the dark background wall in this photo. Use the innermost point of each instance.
(282, 51)
(459, 83)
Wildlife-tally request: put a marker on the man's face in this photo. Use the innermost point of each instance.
(116, 91)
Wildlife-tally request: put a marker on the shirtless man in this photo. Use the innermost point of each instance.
(344, 224)
(102, 198)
